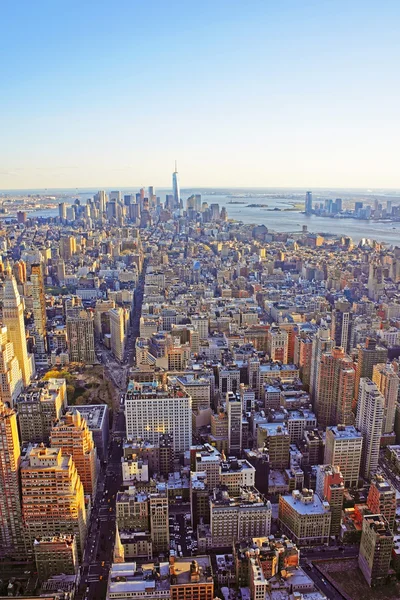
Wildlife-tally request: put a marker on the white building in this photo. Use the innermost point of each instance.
(152, 410)
(388, 383)
(370, 412)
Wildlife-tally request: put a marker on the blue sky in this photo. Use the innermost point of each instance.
(257, 93)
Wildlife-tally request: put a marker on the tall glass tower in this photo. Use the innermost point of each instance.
(175, 188)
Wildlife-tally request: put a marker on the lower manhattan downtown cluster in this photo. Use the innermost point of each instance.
(195, 407)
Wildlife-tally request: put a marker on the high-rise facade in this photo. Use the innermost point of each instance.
(39, 313)
(12, 535)
(234, 412)
(382, 499)
(370, 410)
(117, 330)
(80, 331)
(342, 320)
(52, 495)
(159, 520)
(330, 487)
(72, 435)
(308, 203)
(278, 344)
(369, 354)
(10, 372)
(322, 342)
(175, 188)
(387, 381)
(335, 389)
(39, 300)
(152, 410)
(343, 448)
(13, 317)
(375, 549)
(38, 408)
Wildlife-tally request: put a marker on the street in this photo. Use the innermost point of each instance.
(99, 547)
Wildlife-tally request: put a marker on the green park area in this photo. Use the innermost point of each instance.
(85, 384)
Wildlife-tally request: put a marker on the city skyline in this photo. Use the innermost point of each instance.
(302, 95)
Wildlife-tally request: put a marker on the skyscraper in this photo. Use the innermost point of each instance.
(342, 319)
(388, 383)
(335, 386)
(52, 495)
(39, 312)
(72, 435)
(80, 331)
(308, 203)
(117, 329)
(234, 411)
(369, 354)
(175, 188)
(13, 317)
(62, 211)
(369, 421)
(10, 371)
(12, 537)
(343, 448)
(322, 342)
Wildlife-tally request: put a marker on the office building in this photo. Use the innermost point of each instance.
(178, 579)
(342, 320)
(234, 412)
(330, 487)
(13, 317)
(132, 510)
(10, 372)
(97, 419)
(305, 518)
(308, 206)
(67, 246)
(152, 410)
(387, 381)
(370, 410)
(343, 448)
(322, 342)
(207, 459)
(198, 388)
(72, 435)
(278, 344)
(62, 211)
(335, 388)
(375, 549)
(275, 439)
(238, 517)
(12, 534)
(382, 499)
(55, 555)
(39, 300)
(369, 354)
(80, 332)
(117, 330)
(38, 408)
(175, 189)
(52, 496)
(159, 519)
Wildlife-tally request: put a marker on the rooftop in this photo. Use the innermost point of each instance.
(93, 414)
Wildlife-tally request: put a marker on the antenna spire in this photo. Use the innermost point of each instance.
(176, 168)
